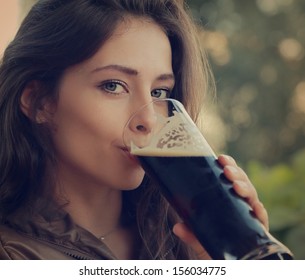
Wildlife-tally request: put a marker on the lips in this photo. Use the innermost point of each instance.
(131, 157)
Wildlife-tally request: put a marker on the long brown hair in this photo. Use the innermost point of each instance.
(55, 35)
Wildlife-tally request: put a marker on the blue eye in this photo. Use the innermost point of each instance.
(160, 93)
(113, 87)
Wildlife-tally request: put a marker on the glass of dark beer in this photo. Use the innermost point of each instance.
(174, 153)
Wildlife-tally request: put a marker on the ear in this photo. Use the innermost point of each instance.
(27, 100)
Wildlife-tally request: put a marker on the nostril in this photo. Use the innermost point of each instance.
(141, 128)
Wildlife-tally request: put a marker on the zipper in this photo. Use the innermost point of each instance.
(76, 257)
(64, 249)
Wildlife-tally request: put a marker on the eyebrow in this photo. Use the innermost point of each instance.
(131, 71)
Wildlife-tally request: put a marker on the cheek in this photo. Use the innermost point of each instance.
(85, 130)
(86, 113)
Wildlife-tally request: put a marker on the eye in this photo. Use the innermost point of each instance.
(113, 87)
(160, 93)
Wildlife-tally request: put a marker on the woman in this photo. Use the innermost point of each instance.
(69, 81)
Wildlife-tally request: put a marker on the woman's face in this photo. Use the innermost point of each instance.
(96, 99)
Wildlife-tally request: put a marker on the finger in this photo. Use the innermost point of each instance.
(226, 160)
(234, 173)
(261, 214)
(247, 191)
(231, 170)
(181, 230)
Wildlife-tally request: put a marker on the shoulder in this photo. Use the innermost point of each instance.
(18, 246)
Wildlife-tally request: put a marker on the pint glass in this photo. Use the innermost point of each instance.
(174, 153)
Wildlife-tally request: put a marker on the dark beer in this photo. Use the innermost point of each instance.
(222, 221)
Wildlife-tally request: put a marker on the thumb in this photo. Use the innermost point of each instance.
(183, 232)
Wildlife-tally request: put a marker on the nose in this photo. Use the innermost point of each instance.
(143, 120)
(145, 123)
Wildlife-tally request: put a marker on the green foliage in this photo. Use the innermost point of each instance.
(282, 190)
(257, 52)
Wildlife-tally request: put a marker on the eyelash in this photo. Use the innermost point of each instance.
(167, 95)
(103, 85)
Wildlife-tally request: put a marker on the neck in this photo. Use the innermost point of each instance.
(99, 214)
(94, 207)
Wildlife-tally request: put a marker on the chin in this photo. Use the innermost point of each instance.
(132, 183)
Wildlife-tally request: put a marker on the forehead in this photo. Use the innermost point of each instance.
(134, 41)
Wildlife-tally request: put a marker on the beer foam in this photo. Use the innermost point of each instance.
(178, 136)
(167, 153)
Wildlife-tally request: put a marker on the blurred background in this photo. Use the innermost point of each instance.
(257, 53)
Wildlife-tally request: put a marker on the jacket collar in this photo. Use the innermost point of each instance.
(56, 227)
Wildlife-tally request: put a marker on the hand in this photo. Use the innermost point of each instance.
(243, 187)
